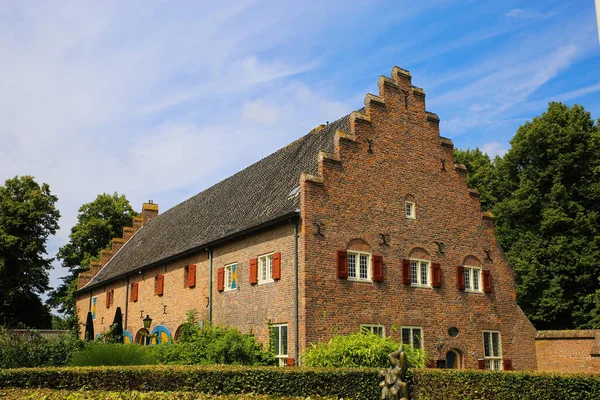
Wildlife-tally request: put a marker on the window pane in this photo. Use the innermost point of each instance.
(234, 276)
(408, 210)
(363, 266)
(263, 268)
(270, 262)
(228, 277)
(497, 365)
(495, 345)
(467, 278)
(476, 273)
(488, 364)
(405, 336)
(378, 330)
(424, 273)
(413, 273)
(276, 333)
(417, 338)
(284, 340)
(351, 265)
(486, 344)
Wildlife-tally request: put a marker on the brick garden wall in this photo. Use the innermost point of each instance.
(568, 351)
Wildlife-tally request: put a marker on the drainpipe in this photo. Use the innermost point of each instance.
(210, 284)
(90, 305)
(296, 341)
(126, 302)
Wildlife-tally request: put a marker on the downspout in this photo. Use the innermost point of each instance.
(210, 284)
(126, 303)
(90, 306)
(296, 318)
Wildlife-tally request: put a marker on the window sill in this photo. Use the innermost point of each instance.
(474, 291)
(360, 280)
(421, 286)
(266, 282)
(230, 290)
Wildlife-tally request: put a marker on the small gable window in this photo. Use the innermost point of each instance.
(419, 273)
(473, 279)
(359, 266)
(231, 277)
(409, 209)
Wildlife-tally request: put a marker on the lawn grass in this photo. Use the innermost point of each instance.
(49, 394)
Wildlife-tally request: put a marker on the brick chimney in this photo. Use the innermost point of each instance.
(149, 211)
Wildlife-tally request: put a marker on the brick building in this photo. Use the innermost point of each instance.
(366, 221)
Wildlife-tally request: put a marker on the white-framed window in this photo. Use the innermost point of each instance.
(420, 273)
(377, 329)
(359, 266)
(231, 277)
(265, 268)
(280, 342)
(492, 350)
(473, 279)
(412, 336)
(409, 209)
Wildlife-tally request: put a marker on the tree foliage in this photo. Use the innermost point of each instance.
(545, 194)
(98, 222)
(28, 216)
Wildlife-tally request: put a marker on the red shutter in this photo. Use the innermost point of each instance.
(191, 275)
(481, 363)
(107, 298)
(253, 271)
(377, 268)
(406, 272)
(134, 291)
(487, 281)
(431, 363)
(436, 275)
(277, 266)
(159, 285)
(507, 364)
(460, 277)
(289, 362)
(221, 279)
(342, 264)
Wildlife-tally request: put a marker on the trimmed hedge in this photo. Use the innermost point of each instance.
(347, 383)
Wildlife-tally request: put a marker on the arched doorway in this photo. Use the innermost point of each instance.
(177, 333)
(142, 337)
(453, 360)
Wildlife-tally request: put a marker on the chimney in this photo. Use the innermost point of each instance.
(149, 211)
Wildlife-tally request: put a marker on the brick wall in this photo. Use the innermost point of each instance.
(568, 351)
(394, 153)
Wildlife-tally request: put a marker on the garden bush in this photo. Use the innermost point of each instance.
(210, 345)
(361, 349)
(99, 354)
(355, 383)
(35, 350)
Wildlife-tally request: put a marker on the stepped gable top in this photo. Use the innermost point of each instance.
(252, 197)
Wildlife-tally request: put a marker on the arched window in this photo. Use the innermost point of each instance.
(161, 335)
(142, 337)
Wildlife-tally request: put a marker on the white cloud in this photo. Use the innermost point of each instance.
(259, 112)
(494, 149)
(524, 13)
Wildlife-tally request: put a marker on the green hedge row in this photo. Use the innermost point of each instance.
(346, 383)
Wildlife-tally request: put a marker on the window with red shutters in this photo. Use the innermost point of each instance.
(406, 272)
(253, 271)
(487, 281)
(377, 268)
(342, 264)
(436, 275)
(221, 279)
(134, 291)
(191, 278)
(277, 266)
(159, 284)
(460, 277)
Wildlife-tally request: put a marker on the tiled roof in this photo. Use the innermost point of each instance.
(252, 197)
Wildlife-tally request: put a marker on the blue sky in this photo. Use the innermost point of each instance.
(159, 100)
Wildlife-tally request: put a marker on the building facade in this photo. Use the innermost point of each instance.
(364, 222)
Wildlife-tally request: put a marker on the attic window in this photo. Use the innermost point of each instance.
(294, 192)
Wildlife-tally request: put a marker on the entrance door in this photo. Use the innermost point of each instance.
(453, 359)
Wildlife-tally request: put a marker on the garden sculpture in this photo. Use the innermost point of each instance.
(392, 387)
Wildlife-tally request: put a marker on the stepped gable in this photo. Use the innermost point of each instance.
(252, 197)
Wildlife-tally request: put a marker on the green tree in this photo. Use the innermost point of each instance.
(98, 222)
(481, 174)
(548, 217)
(28, 216)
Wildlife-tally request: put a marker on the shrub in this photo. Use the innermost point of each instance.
(361, 349)
(99, 354)
(357, 383)
(35, 350)
(212, 345)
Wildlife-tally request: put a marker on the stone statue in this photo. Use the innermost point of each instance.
(392, 387)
